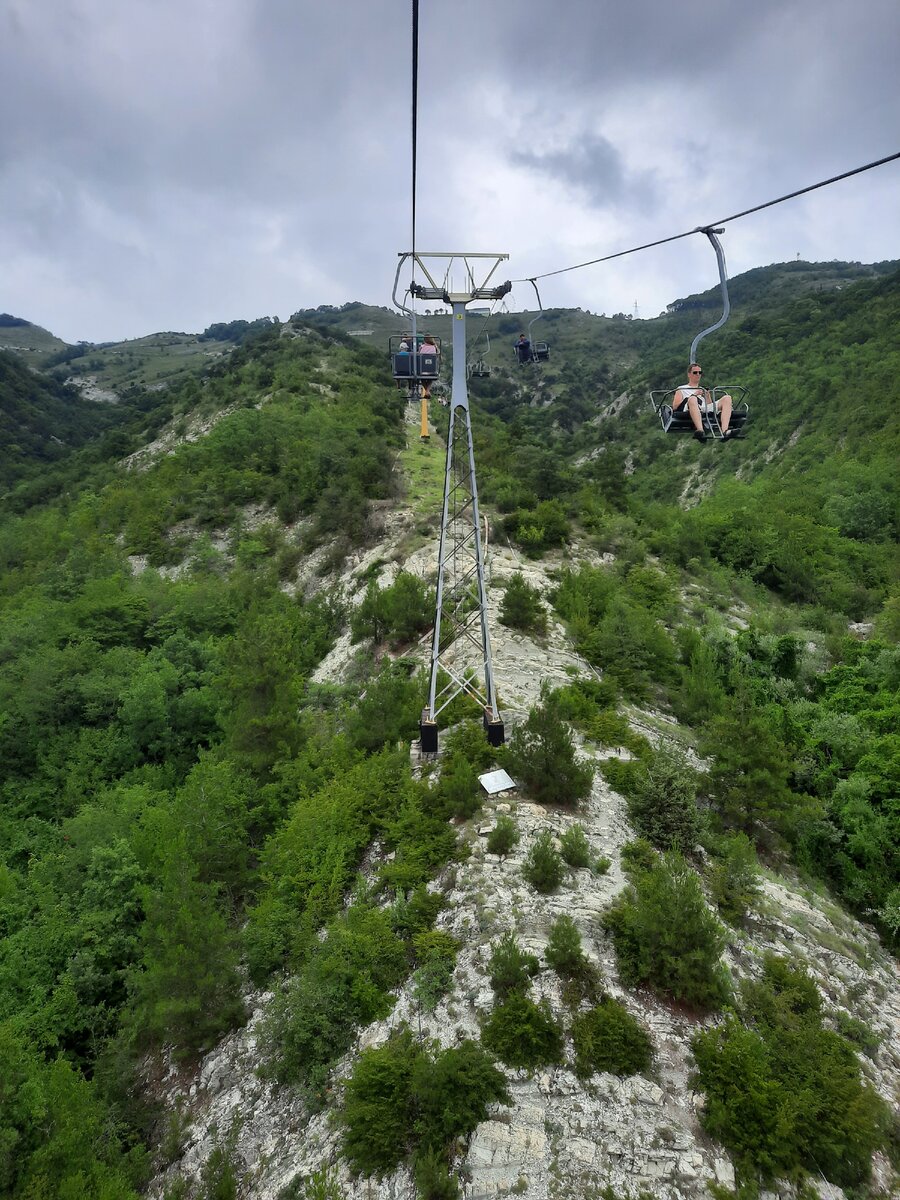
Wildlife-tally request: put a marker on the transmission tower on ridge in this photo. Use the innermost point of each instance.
(461, 641)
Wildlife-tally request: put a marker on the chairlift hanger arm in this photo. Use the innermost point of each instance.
(723, 283)
(540, 308)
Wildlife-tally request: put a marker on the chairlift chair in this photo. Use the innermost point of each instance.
(413, 367)
(481, 368)
(679, 420)
(540, 351)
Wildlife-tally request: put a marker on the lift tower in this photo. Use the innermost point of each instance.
(461, 641)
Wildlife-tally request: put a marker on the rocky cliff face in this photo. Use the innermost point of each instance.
(559, 1137)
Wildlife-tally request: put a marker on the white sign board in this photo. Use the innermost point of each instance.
(496, 781)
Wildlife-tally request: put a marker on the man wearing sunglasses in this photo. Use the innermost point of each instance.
(698, 400)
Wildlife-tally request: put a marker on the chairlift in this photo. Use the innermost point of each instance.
(481, 368)
(679, 420)
(537, 352)
(412, 366)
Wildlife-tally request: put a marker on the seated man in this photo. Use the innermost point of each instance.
(523, 349)
(698, 400)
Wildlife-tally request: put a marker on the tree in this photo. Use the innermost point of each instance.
(510, 968)
(542, 757)
(608, 1038)
(543, 866)
(663, 804)
(666, 936)
(521, 607)
(748, 777)
(522, 1033)
(188, 990)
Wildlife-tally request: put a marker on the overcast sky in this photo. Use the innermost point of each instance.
(169, 163)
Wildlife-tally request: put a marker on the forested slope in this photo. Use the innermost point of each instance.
(182, 806)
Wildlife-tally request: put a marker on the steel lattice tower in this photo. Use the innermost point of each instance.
(461, 642)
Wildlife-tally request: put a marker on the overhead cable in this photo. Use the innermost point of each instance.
(710, 224)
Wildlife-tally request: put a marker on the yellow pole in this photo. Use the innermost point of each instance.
(423, 430)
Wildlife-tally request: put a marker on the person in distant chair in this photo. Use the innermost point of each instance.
(523, 349)
(403, 348)
(428, 346)
(698, 401)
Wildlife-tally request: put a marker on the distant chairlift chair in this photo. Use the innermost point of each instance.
(540, 351)
(413, 368)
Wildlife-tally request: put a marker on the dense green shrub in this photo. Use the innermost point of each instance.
(436, 958)
(510, 967)
(322, 1184)
(522, 1033)
(574, 847)
(404, 1097)
(503, 836)
(344, 983)
(621, 774)
(564, 952)
(543, 866)
(785, 1094)
(748, 778)
(581, 979)
(666, 936)
(662, 807)
(458, 792)
(734, 881)
(608, 1038)
(541, 756)
(521, 607)
(396, 613)
(638, 855)
(433, 1179)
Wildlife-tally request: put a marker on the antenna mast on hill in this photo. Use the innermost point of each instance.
(461, 642)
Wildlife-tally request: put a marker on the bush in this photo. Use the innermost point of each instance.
(345, 983)
(666, 936)
(608, 1038)
(521, 607)
(602, 865)
(436, 955)
(397, 613)
(566, 957)
(638, 855)
(458, 792)
(541, 756)
(662, 807)
(433, 1179)
(403, 1096)
(522, 1033)
(564, 953)
(574, 847)
(621, 774)
(543, 866)
(320, 1185)
(503, 836)
(784, 1094)
(510, 968)
(734, 878)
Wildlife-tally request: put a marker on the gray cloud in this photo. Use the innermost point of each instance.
(166, 164)
(595, 166)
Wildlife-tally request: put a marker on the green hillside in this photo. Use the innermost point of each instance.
(183, 808)
(29, 340)
(42, 421)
